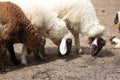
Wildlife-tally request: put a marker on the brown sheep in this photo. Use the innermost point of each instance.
(16, 28)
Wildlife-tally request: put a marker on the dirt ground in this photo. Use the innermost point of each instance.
(106, 66)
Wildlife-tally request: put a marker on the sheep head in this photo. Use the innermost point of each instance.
(96, 44)
(65, 44)
(38, 51)
(65, 47)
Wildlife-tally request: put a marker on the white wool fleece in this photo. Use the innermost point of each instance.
(44, 18)
(81, 13)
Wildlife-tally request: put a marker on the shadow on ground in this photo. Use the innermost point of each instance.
(51, 55)
(102, 53)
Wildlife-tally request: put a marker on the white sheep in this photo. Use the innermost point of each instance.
(47, 22)
(83, 19)
(17, 29)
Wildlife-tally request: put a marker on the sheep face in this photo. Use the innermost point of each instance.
(64, 46)
(97, 45)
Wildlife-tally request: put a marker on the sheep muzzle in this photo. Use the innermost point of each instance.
(97, 45)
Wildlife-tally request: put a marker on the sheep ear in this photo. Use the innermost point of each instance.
(63, 47)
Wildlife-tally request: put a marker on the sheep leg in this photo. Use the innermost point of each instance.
(12, 55)
(3, 65)
(77, 43)
(23, 55)
(76, 36)
(3, 50)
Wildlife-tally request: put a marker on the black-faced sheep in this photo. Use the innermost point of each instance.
(18, 29)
